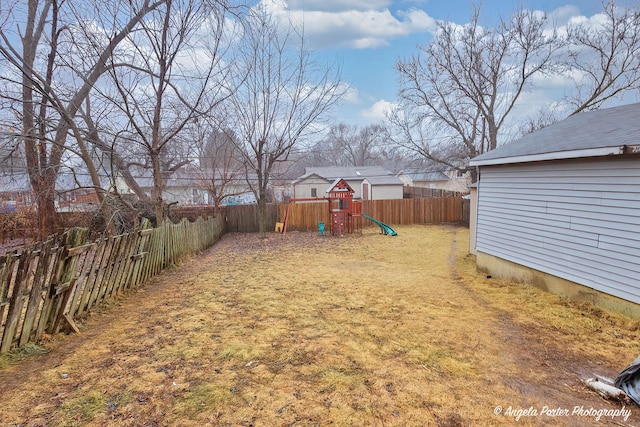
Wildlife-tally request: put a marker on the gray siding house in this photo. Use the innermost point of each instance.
(560, 208)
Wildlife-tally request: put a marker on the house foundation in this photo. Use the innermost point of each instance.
(498, 267)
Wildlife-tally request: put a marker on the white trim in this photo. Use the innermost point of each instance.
(574, 154)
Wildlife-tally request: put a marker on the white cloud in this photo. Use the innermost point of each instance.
(368, 43)
(378, 111)
(337, 5)
(351, 25)
(555, 81)
(563, 14)
(570, 16)
(597, 20)
(351, 94)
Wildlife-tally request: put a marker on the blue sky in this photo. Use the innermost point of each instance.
(367, 37)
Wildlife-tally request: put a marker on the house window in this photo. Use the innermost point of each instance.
(459, 174)
(314, 192)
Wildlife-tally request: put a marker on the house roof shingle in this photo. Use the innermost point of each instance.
(65, 181)
(584, 134)
(384, 180)
(15, 182)
(376, 175)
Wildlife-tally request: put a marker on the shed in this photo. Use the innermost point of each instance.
(310, 185)
(560, 208)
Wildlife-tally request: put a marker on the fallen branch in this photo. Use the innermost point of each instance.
(606, 390)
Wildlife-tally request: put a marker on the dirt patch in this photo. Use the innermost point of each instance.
(309, 330)
(535, 353)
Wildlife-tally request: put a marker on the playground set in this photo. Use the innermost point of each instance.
(345, 213)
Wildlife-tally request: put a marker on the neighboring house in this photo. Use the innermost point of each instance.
(368, 182)
(310, 185)
(184, 186)
(74, 192)
(247, 198)
(15, 191)
(560, 208)
(386, 187)
(450, 180)
(282, 191)
(189, 186)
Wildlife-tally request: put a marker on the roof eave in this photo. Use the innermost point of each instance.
(557, 155)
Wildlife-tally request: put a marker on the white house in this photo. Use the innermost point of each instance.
(560, 208)
(183, 186)
(368, 182)
(190, 186)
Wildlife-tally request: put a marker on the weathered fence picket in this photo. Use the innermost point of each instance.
(48, 286)
(15, 307)
(36, 292)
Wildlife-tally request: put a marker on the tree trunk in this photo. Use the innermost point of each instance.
(262, 214)
(44, 191)
(473, 172)
(158, 184)
(42, 175)
(493, 133)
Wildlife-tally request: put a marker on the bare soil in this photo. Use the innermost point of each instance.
(305, 330)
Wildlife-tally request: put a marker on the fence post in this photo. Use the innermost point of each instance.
(15, 306)
(35, 295)
(64, 282)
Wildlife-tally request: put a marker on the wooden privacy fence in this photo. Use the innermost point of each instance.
(466, 210)
(55, 282)
(430, 210)
(244, 218)
(417, 192)
(306, 215)
(433, 210)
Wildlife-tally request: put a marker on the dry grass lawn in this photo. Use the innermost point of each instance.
(366, 330)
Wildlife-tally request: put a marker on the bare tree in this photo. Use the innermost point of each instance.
(173, 76)
(458, 91)
(115, 162)
(605, 56)
(350, 145)
(221, 170)
(46, 108)
(543, 118)
(329, 150)
(281, 93)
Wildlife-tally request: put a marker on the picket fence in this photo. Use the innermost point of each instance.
(48, 286)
